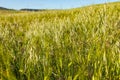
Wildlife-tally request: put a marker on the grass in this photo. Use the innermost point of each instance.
(75, 44)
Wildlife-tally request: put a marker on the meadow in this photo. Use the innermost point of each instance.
(74, 44)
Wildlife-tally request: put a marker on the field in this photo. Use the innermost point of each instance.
(74, 44)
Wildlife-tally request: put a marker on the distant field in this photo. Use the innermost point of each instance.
(74, 44)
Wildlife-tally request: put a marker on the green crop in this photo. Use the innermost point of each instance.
(75, 44)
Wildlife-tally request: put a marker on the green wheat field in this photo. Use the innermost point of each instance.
(73, 44)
